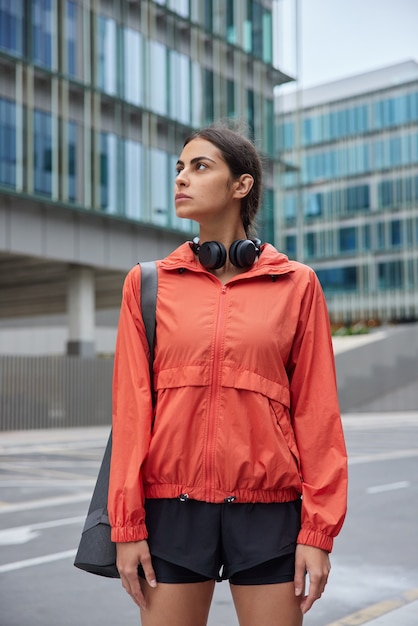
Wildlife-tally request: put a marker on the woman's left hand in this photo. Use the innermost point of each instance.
(315, 562)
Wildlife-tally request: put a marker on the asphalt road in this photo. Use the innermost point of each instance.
(46, 479)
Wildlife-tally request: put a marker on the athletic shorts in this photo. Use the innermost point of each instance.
(247, 544)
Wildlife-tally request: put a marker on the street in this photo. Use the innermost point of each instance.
(46, 479)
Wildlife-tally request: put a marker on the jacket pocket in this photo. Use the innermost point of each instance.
(281, 418)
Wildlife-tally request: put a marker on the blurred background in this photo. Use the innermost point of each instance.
(96, 99)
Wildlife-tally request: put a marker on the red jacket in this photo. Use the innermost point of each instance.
(246, 398)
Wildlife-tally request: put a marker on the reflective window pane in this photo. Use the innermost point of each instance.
(42, 32)
(42, 158)
(12, 14)
(7, 142)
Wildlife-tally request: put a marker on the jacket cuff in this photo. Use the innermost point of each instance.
(124, 534)
(316, 539)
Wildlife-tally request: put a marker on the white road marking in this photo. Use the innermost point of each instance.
(382, 456)
(45, 503)
(48, 558)
(23, 534)
(402, 484)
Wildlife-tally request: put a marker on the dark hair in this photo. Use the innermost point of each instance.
(242, 158)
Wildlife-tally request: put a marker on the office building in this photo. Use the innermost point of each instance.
(349, 190)
(96, 98)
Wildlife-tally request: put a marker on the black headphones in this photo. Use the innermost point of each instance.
(212, 254)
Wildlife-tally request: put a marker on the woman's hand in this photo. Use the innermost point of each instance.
(128, 556)
(316, 563)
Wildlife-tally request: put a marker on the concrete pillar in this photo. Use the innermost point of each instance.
(81, 312)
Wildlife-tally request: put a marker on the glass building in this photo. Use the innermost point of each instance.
(349, 198)
(96, 98)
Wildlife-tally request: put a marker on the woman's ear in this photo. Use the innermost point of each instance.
(243, 185)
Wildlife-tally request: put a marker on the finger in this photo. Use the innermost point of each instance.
(150, 576)
(316, 589)
(132, 586)
(299, 580)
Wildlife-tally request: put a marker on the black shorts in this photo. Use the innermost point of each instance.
(247, 544)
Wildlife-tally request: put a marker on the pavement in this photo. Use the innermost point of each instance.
(402, 611)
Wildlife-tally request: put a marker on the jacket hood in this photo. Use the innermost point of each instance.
(270, 262)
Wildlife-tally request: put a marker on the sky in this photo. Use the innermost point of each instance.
(340, 38)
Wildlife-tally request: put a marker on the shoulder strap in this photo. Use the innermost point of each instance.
(149, 285)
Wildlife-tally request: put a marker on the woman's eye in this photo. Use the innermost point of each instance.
(201, 166)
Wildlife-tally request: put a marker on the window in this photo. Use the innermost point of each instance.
(310, 245)
(108, 172)
(42, 158)
(157, 89)
(181, 7)
(133, 172)
(71, 38)
(348, 239)
(390, 275)
(12, 16)
(290, 245)
(107, 60)
(7, 142)
(396, 238)
(133, 66)
(338, 279)
(230, 23)
(179, 100)
(42, 30)
(159, 187)
(72, 164)
(208, 98)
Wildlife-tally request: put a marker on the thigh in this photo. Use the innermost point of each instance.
(177, 604)
(267, 605)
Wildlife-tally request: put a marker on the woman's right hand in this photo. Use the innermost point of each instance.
(128, 556)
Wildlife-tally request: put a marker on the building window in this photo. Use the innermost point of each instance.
(7, 142)
(71, 38)
(310, 245)
(108, 172)
(179, 78)
(133, 66)
(133, 186)
(107, 58)
(396, 238)
(72, 165)
(348, 239)
(208, 96)
(390, 275)
(338, 279)
(157, 89)
(42, 158)
(231, 35)
(12, 15)
(290, 245)
(181, 7)
(159, 187)
(42, 31)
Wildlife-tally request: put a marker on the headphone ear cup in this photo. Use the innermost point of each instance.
(212, 255)
(243, 253)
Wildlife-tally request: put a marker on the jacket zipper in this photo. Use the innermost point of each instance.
(214, 398)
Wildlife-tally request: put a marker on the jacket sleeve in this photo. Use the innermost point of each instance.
(131, 418)
(316, 420)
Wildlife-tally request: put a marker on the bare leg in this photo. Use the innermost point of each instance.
(267, 605)
(177, 604)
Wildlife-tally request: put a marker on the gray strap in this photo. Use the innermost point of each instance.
(149, 284)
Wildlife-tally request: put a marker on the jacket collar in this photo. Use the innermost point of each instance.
(270, 262)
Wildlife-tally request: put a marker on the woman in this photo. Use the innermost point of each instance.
(239, 471)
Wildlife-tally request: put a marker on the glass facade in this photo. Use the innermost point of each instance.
(103, 136)
(349, 206)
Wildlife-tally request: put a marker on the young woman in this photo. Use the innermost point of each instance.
(238, 469)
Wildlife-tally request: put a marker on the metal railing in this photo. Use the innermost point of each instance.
(54, 392)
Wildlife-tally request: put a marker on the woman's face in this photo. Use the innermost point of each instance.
(203, 187)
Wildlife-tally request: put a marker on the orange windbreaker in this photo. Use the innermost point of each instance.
(246, 400)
